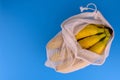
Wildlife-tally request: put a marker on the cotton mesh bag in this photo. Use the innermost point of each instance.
(65, 54)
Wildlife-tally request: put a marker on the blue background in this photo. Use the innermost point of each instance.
(27, 25)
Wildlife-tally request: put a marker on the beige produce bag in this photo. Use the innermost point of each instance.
(64, 54)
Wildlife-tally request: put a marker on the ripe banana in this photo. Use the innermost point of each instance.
(89, 30)
(91, 40)
(99, 25)
(100, 46)
(107, 32)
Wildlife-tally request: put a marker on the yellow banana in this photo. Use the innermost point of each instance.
(99, 47)
(89, 30)
(99, 25)
(91, 40)
(107, 32)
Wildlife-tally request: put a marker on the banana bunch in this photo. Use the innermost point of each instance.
(94, 37)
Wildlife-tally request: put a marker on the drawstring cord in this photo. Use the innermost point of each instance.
(88, 7)
(82, 9)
